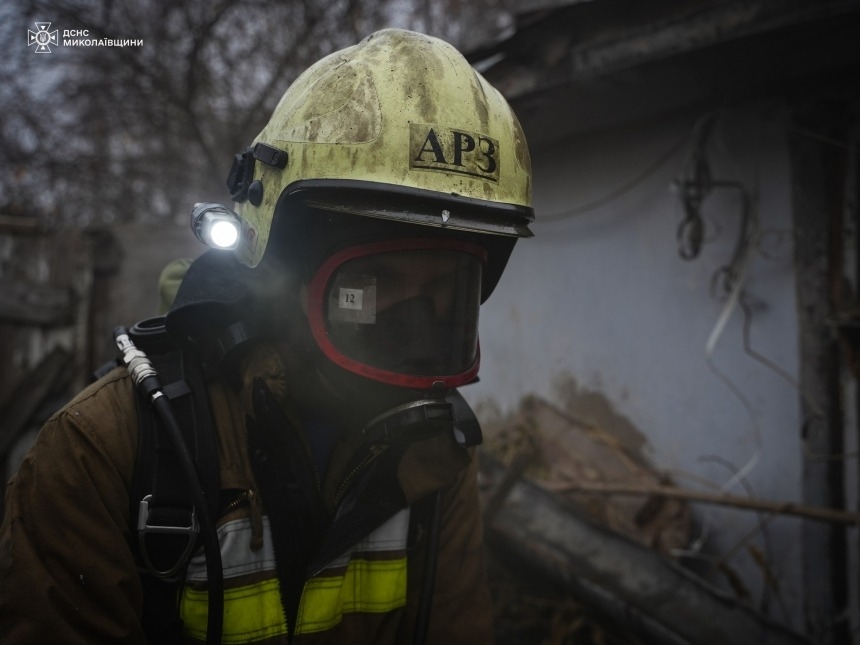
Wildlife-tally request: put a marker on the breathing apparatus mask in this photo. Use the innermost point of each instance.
(384, 318)
(401, 312)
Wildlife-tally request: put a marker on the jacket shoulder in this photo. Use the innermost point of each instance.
(101, 417)
(113, 394)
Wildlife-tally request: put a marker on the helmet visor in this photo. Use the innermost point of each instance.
(403, 312)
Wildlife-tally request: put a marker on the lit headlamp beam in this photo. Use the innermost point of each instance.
(215, 225)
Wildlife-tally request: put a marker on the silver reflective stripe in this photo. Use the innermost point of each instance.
(391, 536)
(237, 558)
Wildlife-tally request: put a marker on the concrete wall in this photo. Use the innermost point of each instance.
(600, 308)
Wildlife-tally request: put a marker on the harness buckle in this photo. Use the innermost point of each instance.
(145, 530)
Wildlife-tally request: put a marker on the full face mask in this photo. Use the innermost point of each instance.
(401, 312)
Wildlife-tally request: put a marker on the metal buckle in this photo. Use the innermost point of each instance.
(144, 528)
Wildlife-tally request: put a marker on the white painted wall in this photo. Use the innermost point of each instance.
(605, 298)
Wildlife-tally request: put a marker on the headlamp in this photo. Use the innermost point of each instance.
(215, 225)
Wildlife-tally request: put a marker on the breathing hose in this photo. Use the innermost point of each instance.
(422, 623)
(148, 384)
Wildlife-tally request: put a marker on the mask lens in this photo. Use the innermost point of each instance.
(411, 313)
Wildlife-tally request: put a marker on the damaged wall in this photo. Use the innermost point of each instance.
(601, 315)
(613, 96)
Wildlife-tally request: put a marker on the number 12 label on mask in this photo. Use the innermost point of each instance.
(351, 299)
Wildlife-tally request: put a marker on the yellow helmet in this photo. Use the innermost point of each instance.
(398, 127)
(403, 132)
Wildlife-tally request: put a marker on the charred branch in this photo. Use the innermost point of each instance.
(652, 596)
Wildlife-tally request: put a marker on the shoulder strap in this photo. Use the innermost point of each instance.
(161, 510)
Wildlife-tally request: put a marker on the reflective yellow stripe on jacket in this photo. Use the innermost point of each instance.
(369, 578)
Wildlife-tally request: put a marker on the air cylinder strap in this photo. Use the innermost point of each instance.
(164, 510)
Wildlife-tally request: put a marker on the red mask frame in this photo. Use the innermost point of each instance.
(317, 306)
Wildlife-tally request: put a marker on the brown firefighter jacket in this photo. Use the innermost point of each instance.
(67, 567)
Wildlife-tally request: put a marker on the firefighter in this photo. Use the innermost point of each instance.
(334, 319)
